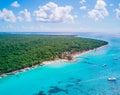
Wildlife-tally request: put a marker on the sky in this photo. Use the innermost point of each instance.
(60, 16)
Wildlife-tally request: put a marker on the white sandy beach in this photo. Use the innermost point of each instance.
(74, 56)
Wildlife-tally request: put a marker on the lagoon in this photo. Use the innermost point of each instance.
(87, 76)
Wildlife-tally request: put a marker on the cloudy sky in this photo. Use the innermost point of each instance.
(60, 16)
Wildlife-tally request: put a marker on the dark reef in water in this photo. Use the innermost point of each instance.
(40, 93)
(77, 86)
(71, 84)
(55, 89)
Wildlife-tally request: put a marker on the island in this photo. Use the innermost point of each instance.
(19, 51)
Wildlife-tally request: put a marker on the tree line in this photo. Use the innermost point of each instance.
(20, 51)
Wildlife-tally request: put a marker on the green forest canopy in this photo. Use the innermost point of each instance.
(20, 51)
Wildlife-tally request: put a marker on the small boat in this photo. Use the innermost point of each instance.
(112, 79)
(104, 65)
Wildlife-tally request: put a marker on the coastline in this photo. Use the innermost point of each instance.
(74, 59)
(74, 56)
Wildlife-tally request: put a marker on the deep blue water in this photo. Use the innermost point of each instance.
(87, 76)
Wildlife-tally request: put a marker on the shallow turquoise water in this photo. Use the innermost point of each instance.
(87, 76)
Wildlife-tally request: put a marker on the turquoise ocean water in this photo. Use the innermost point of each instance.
(87, 76)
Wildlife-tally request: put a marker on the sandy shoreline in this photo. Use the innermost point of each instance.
(74, 56)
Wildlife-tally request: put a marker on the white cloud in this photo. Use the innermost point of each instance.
(15, 4)
(82, 1)
(20, 18)
(26, 15)
(83, 8)
(99, 11)
(51, 12)
(117, 13)
(7, 15)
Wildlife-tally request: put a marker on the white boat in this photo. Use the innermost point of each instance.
(112, 79)
(104, 65)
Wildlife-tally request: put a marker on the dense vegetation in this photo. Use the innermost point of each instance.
(20, 51)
